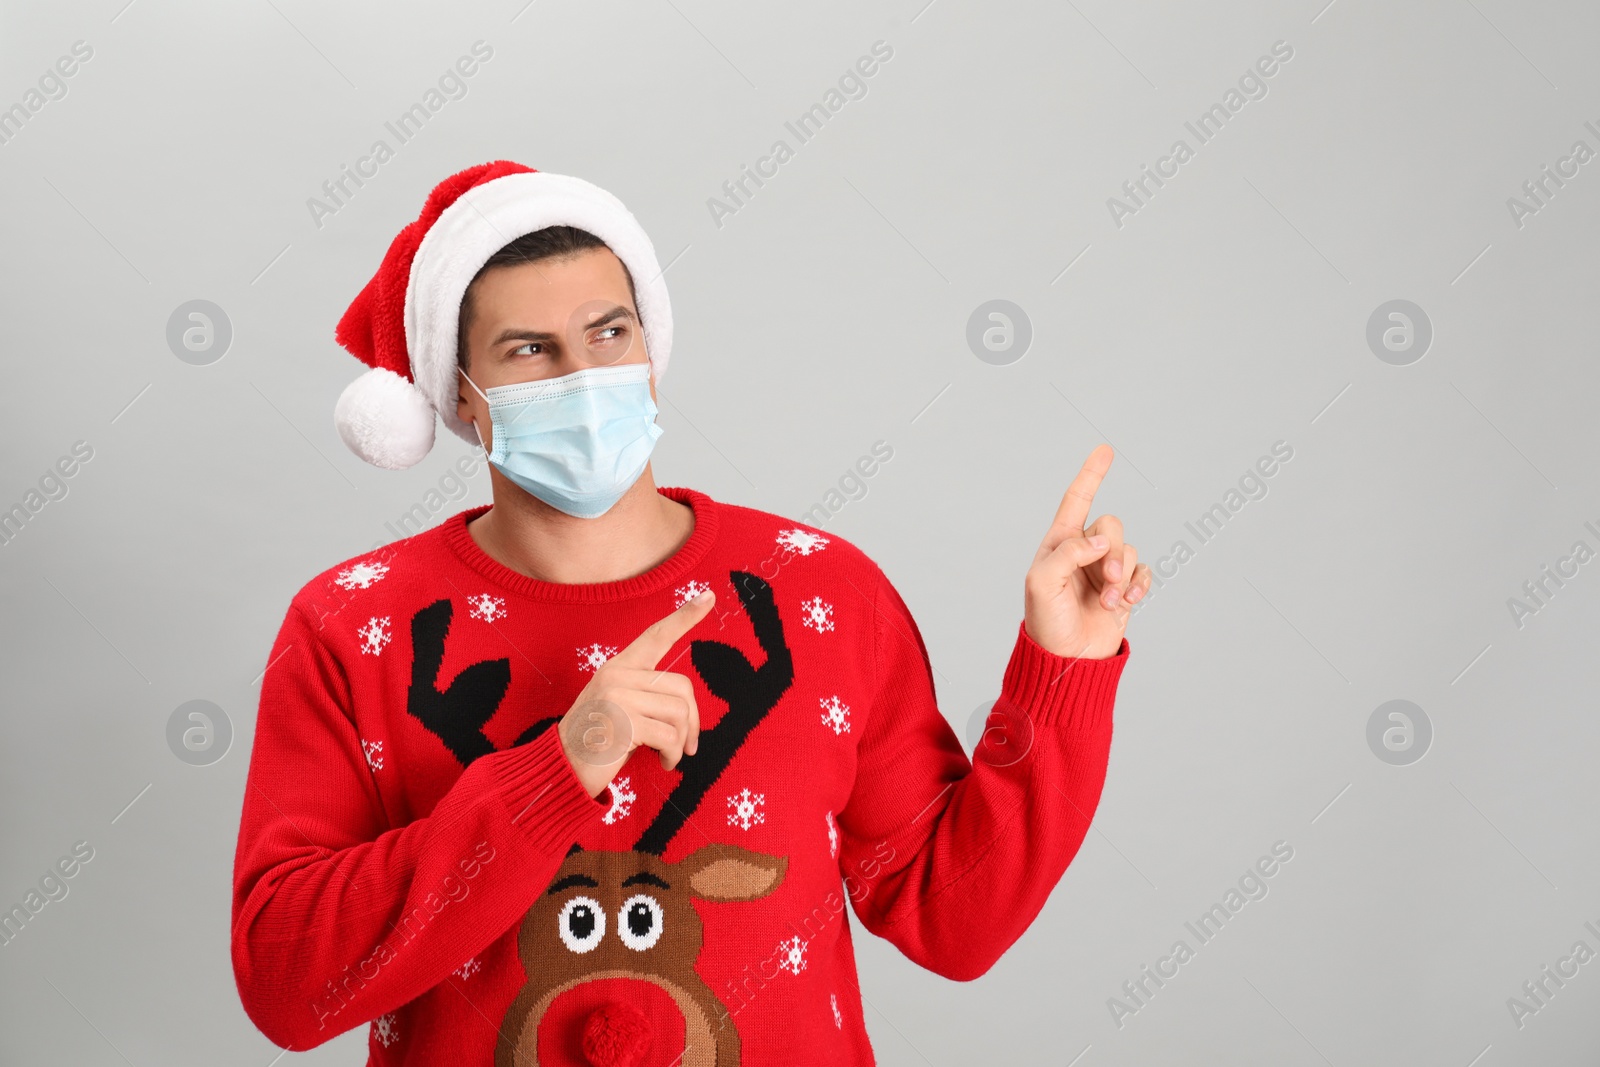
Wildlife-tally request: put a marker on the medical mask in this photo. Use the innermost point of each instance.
(576, 442)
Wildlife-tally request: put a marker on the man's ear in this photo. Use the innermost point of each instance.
(464, 395)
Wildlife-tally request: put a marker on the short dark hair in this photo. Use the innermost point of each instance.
(552, 242)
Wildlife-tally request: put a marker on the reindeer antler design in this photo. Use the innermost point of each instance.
(750, 692)
(458, 714)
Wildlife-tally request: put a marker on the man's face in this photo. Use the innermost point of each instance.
(547, 319)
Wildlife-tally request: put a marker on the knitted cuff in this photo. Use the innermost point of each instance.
(1062, 691)
(542, 793)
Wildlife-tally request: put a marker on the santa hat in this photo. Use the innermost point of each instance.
(403, 323)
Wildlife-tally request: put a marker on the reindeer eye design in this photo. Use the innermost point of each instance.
(639, 921)
(582, 924)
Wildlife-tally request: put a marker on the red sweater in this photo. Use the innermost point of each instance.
(416, 853)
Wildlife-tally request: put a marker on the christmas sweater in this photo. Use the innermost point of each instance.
(417, 855)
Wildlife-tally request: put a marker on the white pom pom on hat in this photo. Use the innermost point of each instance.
(385, 420)
(403, 323)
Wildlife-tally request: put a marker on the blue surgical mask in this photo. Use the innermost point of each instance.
(577, 442)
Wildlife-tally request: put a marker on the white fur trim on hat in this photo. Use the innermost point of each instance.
(477, 225)
(385, 420)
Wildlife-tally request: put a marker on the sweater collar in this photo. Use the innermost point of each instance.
(670, 570)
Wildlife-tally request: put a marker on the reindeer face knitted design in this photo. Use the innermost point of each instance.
(404, 322)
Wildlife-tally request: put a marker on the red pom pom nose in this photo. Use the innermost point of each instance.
(616, 1035)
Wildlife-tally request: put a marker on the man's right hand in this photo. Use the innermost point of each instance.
(629, 703)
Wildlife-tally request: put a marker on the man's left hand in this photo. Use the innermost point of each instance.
(1084, 580)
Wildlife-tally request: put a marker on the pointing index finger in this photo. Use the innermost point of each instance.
(648, 648)
(1075, 503)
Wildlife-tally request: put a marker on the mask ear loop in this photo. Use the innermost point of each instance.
(475, 429)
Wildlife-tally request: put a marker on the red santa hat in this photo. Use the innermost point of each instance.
(403, 323)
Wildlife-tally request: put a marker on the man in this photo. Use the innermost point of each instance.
(588, 776)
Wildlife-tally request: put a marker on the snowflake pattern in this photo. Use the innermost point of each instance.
(794, 955)
(816, 614)
(622, 798)
(744, 804)
(361, 575)
(838, 1020)
(836, 715)
(833, 836)
(374, 753)
(802, 541)
(374, 635)
(592, 657)
(486, 607)
(468, 969)
(688, 592)
(384, 1029)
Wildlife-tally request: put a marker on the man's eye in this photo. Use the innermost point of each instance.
(519, 350)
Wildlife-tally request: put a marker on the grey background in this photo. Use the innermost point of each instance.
(830, 312)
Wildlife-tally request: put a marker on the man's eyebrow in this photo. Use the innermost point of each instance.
(522, 333)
